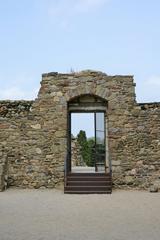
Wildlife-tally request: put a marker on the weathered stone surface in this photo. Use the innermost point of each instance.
(153, 189)
(77, 159)
(33, 134)
(36, 126)
(38, 150)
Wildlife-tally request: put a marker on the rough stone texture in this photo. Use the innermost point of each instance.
(34, 133)
(141, 147)
(3, 169)
(77, 159)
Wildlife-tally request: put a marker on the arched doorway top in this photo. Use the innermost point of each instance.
(87, 102)
(90, 98)
(98, 92)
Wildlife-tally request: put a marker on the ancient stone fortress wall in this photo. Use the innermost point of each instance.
(33, 134)
(139, 166)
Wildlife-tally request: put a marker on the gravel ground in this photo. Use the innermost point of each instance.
(52, 215)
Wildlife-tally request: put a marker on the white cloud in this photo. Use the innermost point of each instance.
(72, 7)
(21, 86)
(15, 93)
(83, 6)
(149, 90)
(63, 11)
(153, 81)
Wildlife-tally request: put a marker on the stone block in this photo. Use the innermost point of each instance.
(36, 126)
(153, 189)
(116, 163)
(129, 180)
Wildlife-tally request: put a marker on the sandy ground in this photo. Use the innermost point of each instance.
(51, 215)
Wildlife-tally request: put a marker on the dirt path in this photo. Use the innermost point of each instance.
(51, 215)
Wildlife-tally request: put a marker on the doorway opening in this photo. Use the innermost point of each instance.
(87, 165)
(87, 141)
(87, 135)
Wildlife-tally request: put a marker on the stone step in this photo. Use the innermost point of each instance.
(88, 188)
(95, 174)
(87, 178)
(87, 192)
(89, 183)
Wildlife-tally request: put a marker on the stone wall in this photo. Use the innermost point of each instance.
(29, 152)
(33, 134)
(139, 166)
(13, 118)
(3, 169)
(77, 159)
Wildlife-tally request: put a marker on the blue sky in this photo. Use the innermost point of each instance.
(113, 36)
(82, 121)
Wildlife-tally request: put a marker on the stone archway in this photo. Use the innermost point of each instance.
(97, 106)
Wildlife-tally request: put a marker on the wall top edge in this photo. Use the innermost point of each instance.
(82, 73)
(149, 105)
(16, 101)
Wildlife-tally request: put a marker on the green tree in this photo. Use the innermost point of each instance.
(86, 148)
(91, 149)
(82, 140)
(81, 137)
